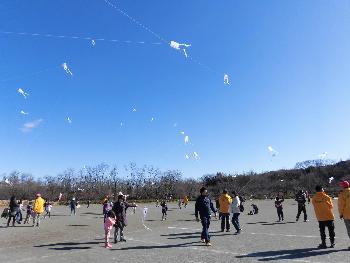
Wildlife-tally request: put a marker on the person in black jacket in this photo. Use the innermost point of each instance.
(13, 211)
(203, 207)
(301, 198)
(119, 208)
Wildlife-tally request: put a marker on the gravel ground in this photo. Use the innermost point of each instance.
(64, 238)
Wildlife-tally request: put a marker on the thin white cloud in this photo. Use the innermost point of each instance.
(29, 126)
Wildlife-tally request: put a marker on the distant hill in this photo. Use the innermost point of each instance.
(314, 163)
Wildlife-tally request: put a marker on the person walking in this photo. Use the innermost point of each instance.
(38, 209)
(30, 212)
(203, 208)
(344, 205)
(301, 198)
(225, 201)
(235, 208)
(323, 207)
(119, 208)
(13, 211)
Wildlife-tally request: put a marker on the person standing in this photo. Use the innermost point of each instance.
(119, 208)
(301, 198)
(13, 211)
(38, 209)
(279, 207)
(203, 208)
(235, 208)
(88, 203)
(344, 205)
(323, 207)
(225, 201)
(164, 207)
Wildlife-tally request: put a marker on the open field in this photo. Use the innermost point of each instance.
(80, 238)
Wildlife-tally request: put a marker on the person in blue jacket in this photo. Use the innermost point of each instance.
(203, 207)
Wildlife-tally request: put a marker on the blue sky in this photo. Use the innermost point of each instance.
(288, 63)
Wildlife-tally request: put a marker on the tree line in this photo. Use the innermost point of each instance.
(149, 183)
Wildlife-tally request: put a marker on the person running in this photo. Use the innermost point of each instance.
(29, 212)
(164, 207)
(225, 201)
(186, 201)
(38, 209)
(108, 225)
(203, 208)
(279, 207)
(323, 207)
(13, 211)
(73, 206)
(301, 198)
(344, 205)
(48, 208)
(119, 208)
(236, 211)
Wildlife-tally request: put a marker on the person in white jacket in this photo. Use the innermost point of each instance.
(236, 212)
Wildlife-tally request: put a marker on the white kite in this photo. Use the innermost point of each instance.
(121, 124)
(273, 152)
(143, 218)
(226, 80)
(196, 156)
(178, 46)
(323, 155)
(66, 69)
(69, 120)
(134, 110)
(183, 133)
(24, 113)
(23, 93)
(187, 157)
(152, 119)
(29, 126)
(93, 42)
(330, 179)
(187, 139)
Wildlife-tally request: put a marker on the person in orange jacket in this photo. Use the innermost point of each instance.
(323, 207)
(225, 201)
(344, 204)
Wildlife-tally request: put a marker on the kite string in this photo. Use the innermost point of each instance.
(136, 22)
(77, 37)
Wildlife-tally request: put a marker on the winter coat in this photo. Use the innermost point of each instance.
(344, 203)
(236, 202)
(204, 206)
(39, 205)
(323, 206)
(225, 200)
(119, 208)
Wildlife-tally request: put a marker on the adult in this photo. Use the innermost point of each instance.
(38, 209)
(301, 198)
(119, 208)
(73, 206)
(203, 207)
(88, 203)
(13, 211)
(344, 205)
(225, 201)
(323, 206)
(236, 211)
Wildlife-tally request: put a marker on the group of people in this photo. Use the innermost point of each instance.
(34, 209)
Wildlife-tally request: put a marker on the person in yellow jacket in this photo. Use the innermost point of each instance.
(323, 206)
(225, 201)
(344, 204)
(185, 201)
(38, 209)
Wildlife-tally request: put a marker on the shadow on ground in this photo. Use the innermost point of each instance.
(289, 254)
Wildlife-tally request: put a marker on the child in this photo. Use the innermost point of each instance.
(108, 224)
(278, 205)
(48, 208)
(164, 210)
(179, 203)
(29, 212)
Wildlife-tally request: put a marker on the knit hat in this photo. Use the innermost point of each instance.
(38, 195)
(344, 184)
